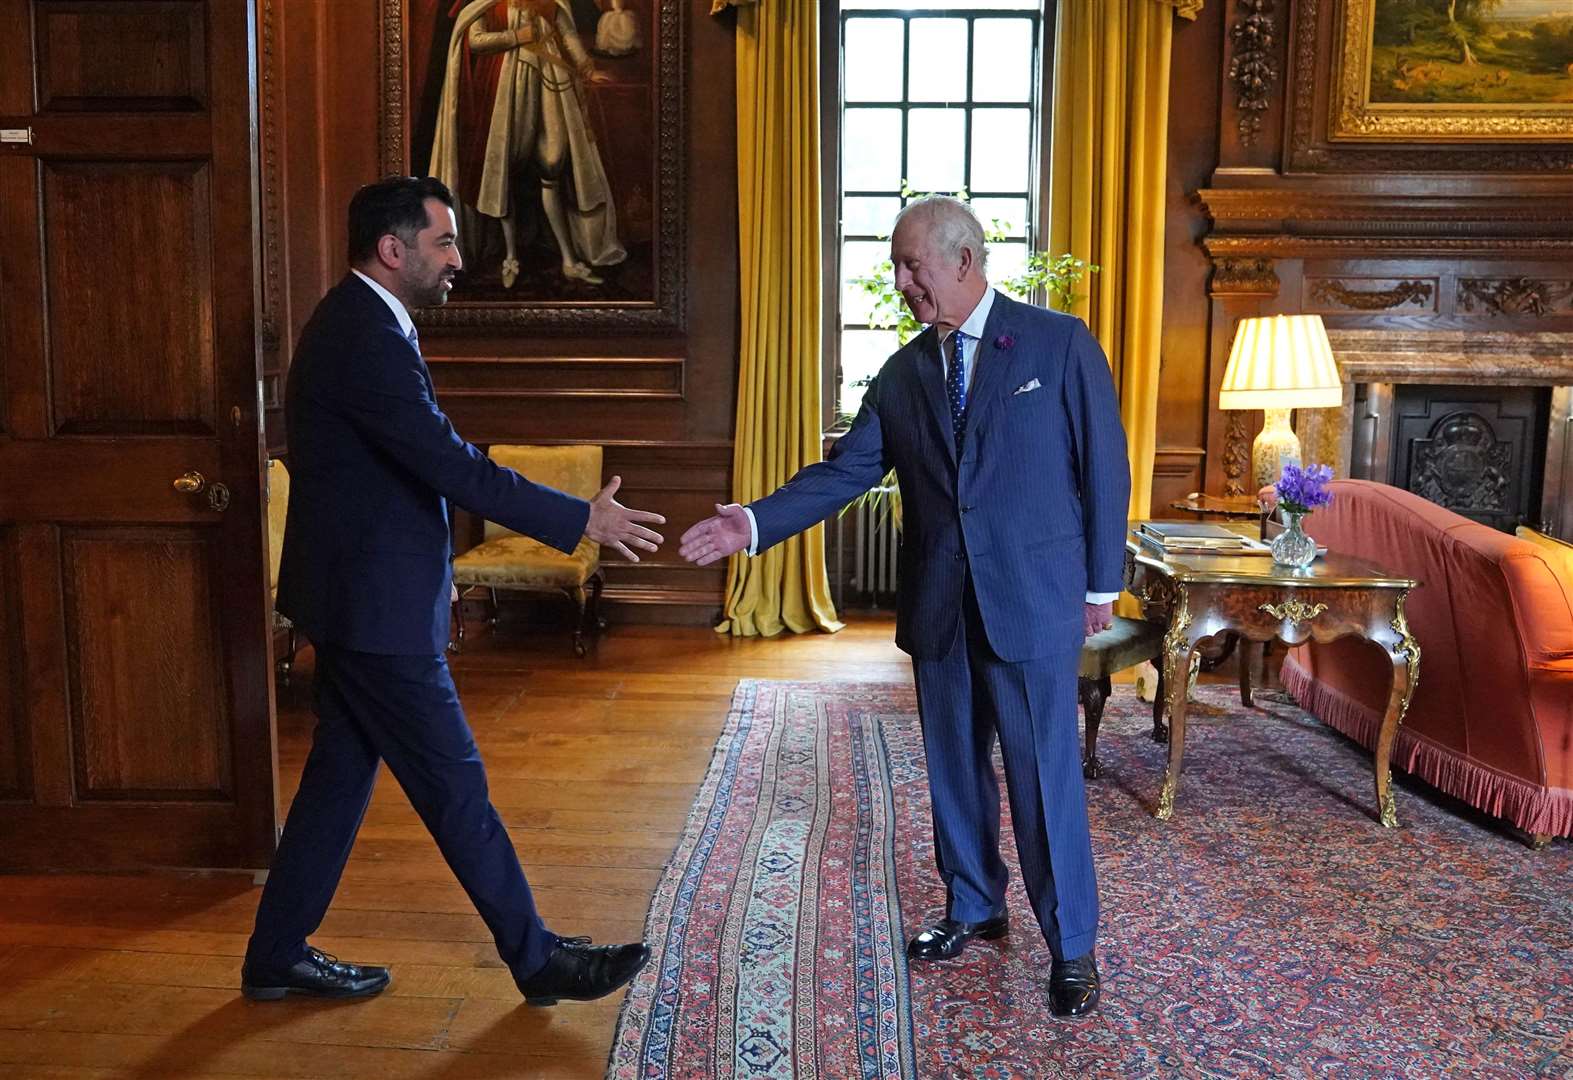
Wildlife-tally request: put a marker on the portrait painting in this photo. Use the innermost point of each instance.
(555, 124)
(1455, 70)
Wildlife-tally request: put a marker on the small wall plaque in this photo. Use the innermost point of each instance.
(17, 135)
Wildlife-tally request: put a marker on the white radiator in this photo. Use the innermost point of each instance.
(871, 576)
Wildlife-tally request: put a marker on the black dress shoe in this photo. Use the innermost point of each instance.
(948, 937)
(317, 975)
(579, 971)
(1074, 986)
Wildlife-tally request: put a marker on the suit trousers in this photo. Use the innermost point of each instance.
(967, 698)
(403, 710)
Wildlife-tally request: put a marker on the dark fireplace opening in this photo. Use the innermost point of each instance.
(1478, 450)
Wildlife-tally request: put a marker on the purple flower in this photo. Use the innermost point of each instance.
(1004, 341)
(1302, 490)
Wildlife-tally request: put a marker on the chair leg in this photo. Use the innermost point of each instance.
(597, 583)
(1160, 729)
(1248, 653)
(458, 618)
(581, 597)
(287, 664)
(495, 607)
(1093, 693)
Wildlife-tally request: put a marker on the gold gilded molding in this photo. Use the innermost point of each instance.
(1165, 809)
(1294, 611)
(1355, 116)
(1409, 649)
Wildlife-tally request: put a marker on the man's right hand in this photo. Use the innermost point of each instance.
(615, 525)
(717, 537)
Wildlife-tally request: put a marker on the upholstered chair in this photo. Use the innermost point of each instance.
(506, 560)
(278, 509)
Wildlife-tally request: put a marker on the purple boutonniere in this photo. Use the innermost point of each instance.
(1004, 341)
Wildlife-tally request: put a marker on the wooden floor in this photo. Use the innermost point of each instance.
(593, 764)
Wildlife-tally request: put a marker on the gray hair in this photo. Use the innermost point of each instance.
(951, 226)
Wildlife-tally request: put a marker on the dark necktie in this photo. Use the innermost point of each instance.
(415, 339)
(956, 388)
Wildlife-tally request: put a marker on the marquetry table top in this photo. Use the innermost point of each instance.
(1333, 570)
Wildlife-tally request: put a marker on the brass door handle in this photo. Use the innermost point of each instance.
(194, 483)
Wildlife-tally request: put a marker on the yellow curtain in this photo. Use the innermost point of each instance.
(1108, 168)
(778, 398)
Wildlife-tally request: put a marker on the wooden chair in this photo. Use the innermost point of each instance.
(506, 560)
(1125, 644)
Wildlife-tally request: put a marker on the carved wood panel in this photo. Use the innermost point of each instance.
(149, 711)
(129, 360)
(109, 57)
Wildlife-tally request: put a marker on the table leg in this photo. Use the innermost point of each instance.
(1405, 652)
(1178, 649)
(1247, 654)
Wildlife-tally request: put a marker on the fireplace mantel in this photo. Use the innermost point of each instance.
(1379, 359)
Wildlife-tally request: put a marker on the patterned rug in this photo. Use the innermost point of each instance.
(1271, 929)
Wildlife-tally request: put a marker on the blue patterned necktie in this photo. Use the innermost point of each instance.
(956, 388)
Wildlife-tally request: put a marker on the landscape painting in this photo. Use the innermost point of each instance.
(1454, 70)
(1472, 52)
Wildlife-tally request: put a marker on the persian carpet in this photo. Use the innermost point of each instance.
(1271, 929)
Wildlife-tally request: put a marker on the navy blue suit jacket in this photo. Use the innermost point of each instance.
(373, 463)
(1035, 508)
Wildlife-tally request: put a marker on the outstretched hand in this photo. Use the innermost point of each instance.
(716, 537)
(615, 525)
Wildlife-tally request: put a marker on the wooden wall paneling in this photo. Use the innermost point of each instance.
(1196, 73)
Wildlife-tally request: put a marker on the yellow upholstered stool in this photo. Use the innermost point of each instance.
(506, 560)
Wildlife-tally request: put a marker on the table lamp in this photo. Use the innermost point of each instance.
(1279, 363)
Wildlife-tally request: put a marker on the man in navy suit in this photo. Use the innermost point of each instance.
(365, 575)
(1014, 483)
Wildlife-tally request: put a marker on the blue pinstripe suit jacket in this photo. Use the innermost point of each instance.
(1035, 508)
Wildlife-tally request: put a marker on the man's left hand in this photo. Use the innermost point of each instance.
(1096, 617)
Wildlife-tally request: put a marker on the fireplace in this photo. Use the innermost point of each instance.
(1477, 422)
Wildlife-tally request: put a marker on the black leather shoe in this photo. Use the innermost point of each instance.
(1074, 986)
(315, 975)
(579, 971)
(948, 937)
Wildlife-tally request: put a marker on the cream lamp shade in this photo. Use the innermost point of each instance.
(1279, 363)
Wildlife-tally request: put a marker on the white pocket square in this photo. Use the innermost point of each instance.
(1027, 386)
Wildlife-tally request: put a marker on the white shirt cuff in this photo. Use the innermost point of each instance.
(753, 533)
(1100, 597)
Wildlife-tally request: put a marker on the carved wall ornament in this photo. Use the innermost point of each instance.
(1236, 455)
(1244, 277)
(1336, 292)
(1293, 611)
(1514, 296)
(1463, 466)
(1254, 68)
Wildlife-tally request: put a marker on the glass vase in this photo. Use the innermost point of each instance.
(1293, 546)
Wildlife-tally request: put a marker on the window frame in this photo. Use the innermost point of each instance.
(833, 19)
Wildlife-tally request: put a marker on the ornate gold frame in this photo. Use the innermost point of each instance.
(1355, 118)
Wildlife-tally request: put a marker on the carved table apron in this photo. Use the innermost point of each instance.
(1199, 596)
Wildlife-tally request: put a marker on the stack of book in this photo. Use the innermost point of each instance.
(1197, 538)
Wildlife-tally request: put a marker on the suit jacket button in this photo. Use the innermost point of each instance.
(959, 556)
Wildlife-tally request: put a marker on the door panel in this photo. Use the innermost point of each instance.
(137, 360)
(113, 57)
(133, 610)
(115, 580)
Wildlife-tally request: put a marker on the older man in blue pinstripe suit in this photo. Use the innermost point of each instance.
(1001, 422)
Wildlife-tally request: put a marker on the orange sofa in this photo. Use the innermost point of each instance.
(1491, 721)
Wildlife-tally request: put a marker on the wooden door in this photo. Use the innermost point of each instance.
(135, 698)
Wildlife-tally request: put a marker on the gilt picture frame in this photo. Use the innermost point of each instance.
(1457, 71)
(558, 125)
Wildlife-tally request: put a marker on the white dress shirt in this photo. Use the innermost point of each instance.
(406, 324)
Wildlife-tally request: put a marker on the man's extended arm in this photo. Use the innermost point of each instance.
(1103, 471)
(390, 404)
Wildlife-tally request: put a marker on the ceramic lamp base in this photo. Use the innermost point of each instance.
(1274, 448)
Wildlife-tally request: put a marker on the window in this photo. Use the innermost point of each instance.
(939, 97)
